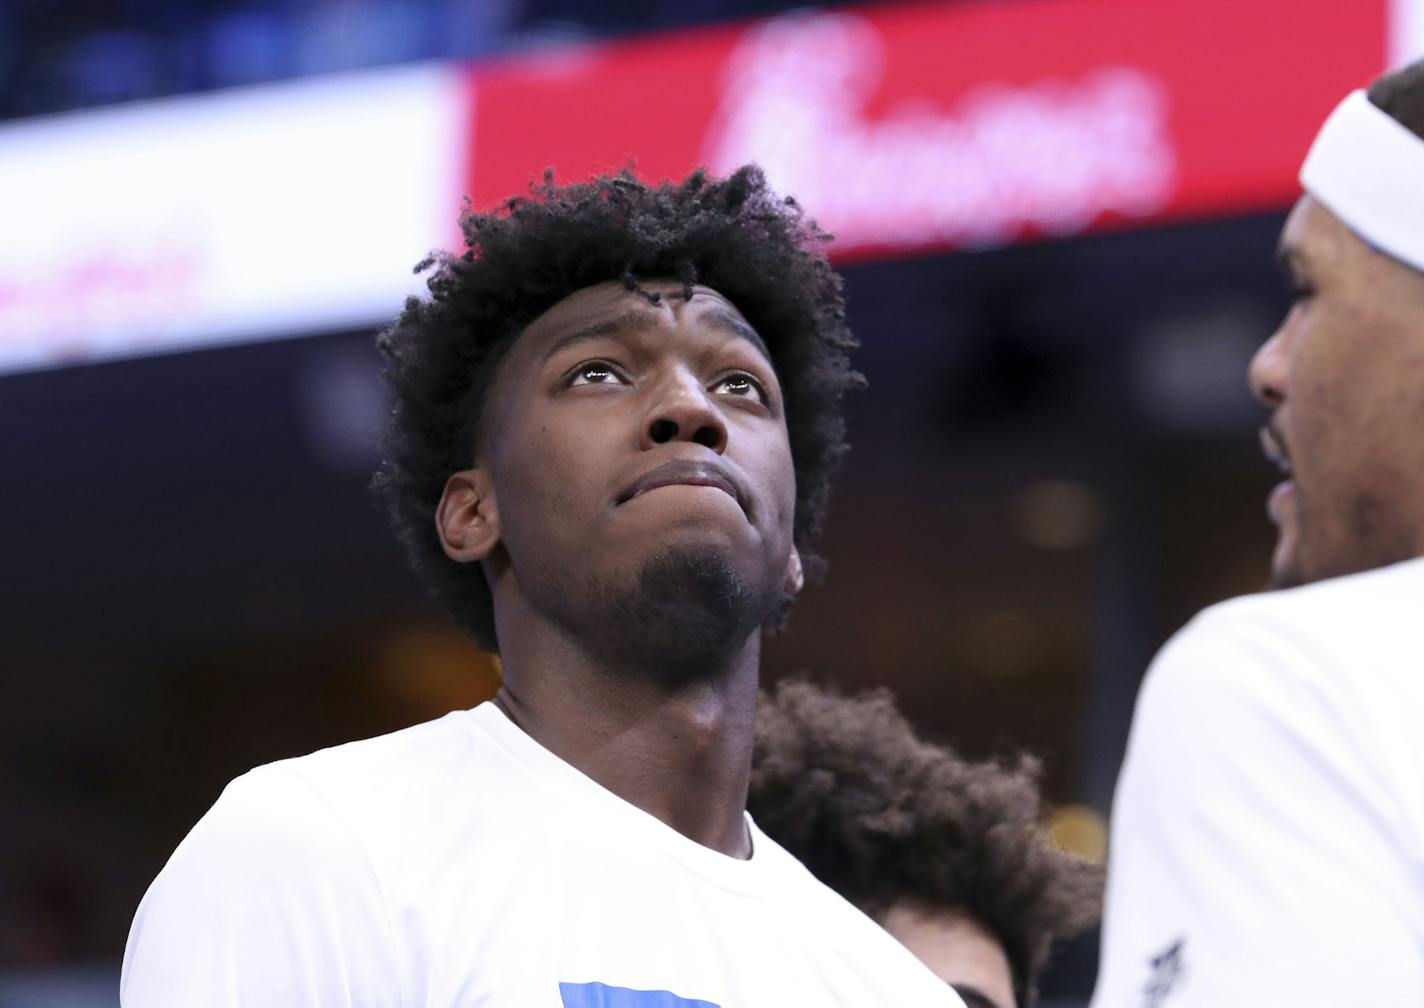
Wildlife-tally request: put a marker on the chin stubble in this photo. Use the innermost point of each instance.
(680, 620)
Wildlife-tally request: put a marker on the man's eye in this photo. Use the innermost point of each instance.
(593, 373)
(741, 385)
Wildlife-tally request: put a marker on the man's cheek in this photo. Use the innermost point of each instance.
(561, 505)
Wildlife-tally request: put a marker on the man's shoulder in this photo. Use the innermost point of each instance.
(396, 760)
(1275, 740)
(791, 884)
(1327, 674)
(288, 881)
(385, 791)
(1355, 632)
(1373, 598)
(828, 922)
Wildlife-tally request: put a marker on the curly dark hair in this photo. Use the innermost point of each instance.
(881, 816)
(734, 235)
(1401, 94)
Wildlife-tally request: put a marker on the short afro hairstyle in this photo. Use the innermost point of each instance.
(1401, 94)
(881, 816)
(734, 235)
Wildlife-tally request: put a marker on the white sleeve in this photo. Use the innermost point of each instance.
(270, 900)
(1257, 853)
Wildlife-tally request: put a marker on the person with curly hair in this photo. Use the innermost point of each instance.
(950, 856)
(614, 424)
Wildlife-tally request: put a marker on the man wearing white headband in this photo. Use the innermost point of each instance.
(1268, 830)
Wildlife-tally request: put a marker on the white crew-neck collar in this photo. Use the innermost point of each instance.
(611, 811)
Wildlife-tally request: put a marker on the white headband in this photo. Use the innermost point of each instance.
(1368, 170)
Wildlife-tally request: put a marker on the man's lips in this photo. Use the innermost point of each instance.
(681, 472)
(1274, 448)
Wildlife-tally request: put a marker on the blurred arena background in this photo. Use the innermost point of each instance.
(1056, 221)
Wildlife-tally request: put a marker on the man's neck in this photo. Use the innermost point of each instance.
(682, 754)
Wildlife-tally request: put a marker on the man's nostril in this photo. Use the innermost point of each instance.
(662, 431)
(708, 437)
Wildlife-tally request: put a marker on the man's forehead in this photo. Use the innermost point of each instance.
(609, 307)
(1313, 237)
(1296, 234)
(613, 297)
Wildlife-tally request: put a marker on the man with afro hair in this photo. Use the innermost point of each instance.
(951, 857)
(614, 423)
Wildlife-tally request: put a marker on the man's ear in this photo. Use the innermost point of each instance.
(466, 519)
(795, 576)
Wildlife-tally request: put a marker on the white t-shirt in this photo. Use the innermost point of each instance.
(459, 863)
(1268, 830)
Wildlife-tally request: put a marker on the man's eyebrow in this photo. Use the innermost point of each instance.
(632, 320)
(973, 997)
(723, 318)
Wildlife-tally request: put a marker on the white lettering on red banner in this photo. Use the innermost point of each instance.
(1002, 162)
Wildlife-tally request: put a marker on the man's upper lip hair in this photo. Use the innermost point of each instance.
(1273, 446)
(685, 472)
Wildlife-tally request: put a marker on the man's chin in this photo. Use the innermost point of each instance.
(699, 574)
(687, 610)
(1285, 569)
(1285, 577)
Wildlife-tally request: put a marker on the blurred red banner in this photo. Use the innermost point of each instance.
(925, 126)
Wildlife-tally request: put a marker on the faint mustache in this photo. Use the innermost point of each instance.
(683, 472)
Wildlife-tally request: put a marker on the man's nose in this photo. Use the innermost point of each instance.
(682, 410)
(1268, 371)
